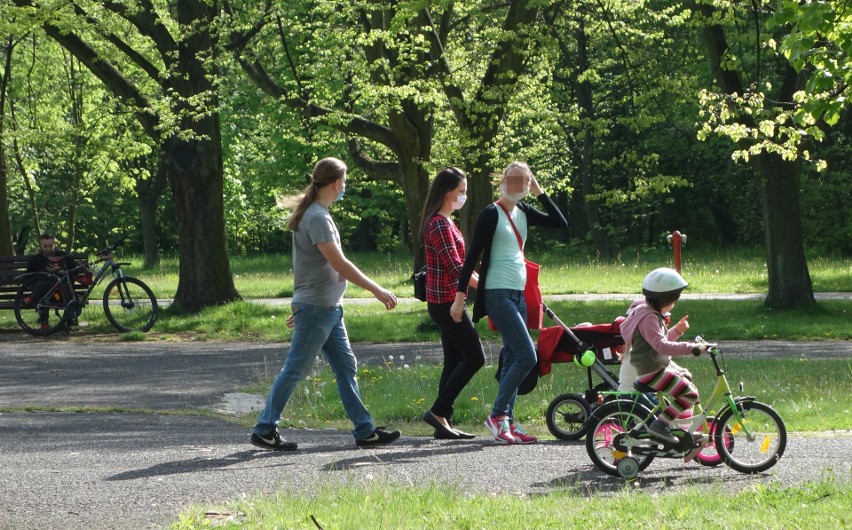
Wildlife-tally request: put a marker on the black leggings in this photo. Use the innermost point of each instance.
(463, 357)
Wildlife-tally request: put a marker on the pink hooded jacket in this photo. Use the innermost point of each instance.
(648, 342)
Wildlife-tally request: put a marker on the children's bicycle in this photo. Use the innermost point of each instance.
(749, 436)
(48, 302)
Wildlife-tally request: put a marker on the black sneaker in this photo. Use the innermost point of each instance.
(660, 431)
(379, 437)
(272, 442)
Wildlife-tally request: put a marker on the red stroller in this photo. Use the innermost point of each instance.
(567, 414)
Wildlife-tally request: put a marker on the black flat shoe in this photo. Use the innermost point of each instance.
(441, 432)
(463, 435)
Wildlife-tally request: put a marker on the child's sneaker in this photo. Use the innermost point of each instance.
(660, 431)
(521, 436)
(500, 429)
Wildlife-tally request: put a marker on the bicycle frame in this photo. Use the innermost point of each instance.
(721, 399)
(65, 281)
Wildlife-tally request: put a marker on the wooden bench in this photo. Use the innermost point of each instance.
(13, 266)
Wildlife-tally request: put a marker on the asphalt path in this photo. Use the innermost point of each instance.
(140, 467)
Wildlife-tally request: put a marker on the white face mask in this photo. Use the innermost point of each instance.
(513, 196)
(459, 202)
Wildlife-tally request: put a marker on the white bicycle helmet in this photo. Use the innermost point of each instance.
(663, 282)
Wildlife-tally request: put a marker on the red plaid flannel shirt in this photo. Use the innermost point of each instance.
(444, 258)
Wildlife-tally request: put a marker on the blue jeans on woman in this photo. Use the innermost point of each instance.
(317, 329)
(508, 309)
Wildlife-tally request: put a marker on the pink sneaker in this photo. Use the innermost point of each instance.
(500, 429)
(521, 436)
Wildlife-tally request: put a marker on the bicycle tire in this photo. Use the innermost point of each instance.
(53, 301)
(606, 421)
(708, 456)
(758, 454)
(567, 416)
(130, 305)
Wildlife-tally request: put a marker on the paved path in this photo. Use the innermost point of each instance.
(139, 470)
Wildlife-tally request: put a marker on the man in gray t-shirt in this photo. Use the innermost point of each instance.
(321, 272)
(316, 281)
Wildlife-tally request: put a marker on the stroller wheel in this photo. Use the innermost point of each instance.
(567, 415)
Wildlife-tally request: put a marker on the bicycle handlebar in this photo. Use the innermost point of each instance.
(711, 347)
(110, 248)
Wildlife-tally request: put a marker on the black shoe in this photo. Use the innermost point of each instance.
(441, 432)
(272, 442)
(463, 435)
(660, 431)
(379, 437)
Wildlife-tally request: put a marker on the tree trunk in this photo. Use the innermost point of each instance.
(196, 171)
(586, 156)
(149, 192)
(5, 222)
(196, 177)
(789, 279)
(778, 180)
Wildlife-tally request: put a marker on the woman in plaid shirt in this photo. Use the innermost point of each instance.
(444, 246)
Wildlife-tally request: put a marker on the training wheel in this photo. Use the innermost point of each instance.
(628, 467)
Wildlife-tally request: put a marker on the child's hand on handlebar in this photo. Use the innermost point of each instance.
(700, 348)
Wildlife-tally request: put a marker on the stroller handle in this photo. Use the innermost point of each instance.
(581, 344)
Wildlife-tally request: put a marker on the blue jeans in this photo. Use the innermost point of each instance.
(508, 309)
(317, 328)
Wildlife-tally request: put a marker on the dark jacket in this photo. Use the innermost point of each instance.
(39, 262)
(483, 236)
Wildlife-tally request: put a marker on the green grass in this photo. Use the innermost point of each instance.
(709, 271)
(822, 504)
(740, 270)
(810, 395)
(715, 319)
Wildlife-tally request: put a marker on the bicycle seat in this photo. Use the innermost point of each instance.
(642, 387)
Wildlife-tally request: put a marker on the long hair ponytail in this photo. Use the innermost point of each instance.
(326, 171)
(445, 181)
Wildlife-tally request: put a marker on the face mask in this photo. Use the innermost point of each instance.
(340, 195)
(459, 202)
(512, 196)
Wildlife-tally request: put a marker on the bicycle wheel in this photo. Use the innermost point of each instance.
(40, 306)
(607, 422)
(567, 415)
(709, 456)
(130, 305)
(755, 452)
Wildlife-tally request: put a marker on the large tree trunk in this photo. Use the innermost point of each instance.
(195, 174)
(778, 180)
(789, 279)
(196, 171)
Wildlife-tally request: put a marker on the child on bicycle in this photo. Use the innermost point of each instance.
(650, 346)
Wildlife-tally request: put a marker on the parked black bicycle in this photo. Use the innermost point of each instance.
(49, 302)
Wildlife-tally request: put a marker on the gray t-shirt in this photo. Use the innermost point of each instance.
(316, 282)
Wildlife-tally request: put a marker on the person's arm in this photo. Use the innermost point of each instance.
(550, 218)
(483, 231)
(340, 263)
(652, 332)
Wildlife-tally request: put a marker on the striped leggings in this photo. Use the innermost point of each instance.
(683, 392)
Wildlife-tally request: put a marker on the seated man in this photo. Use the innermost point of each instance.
(45, 261)
(41, 262)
